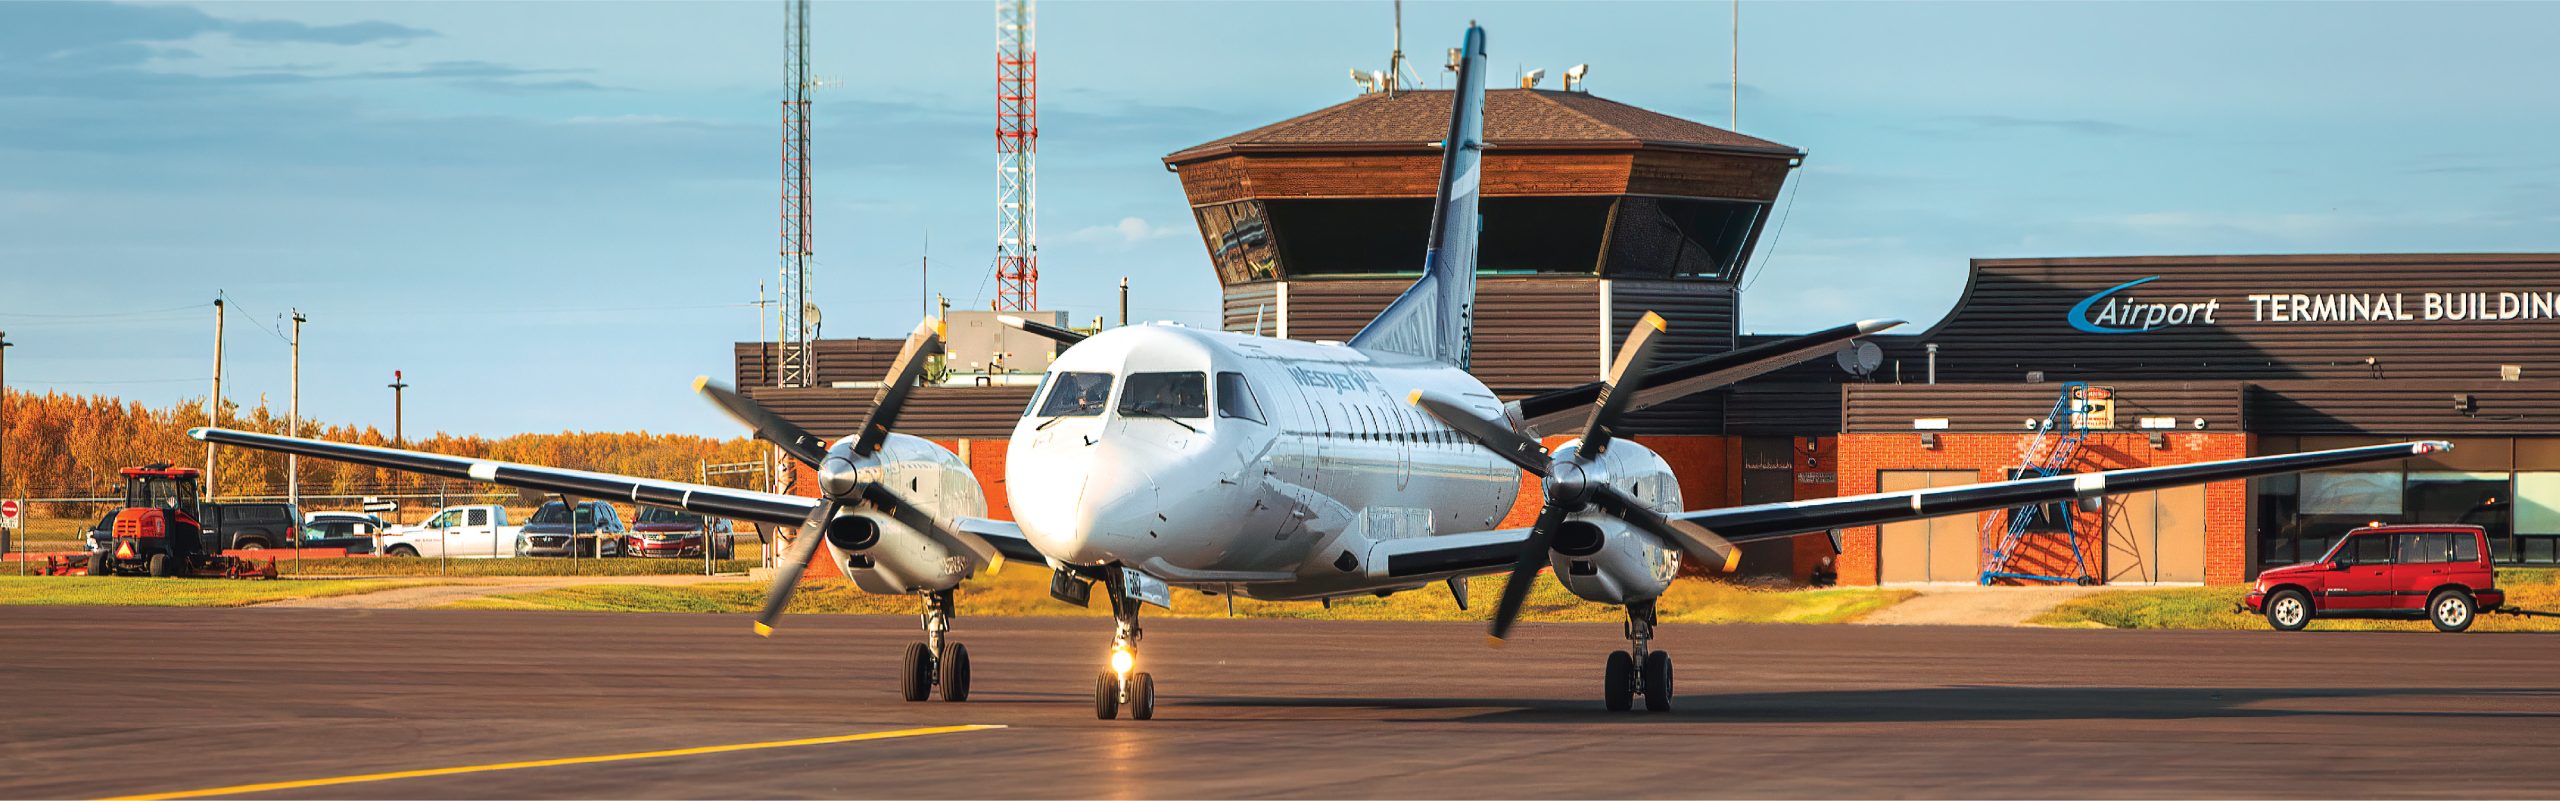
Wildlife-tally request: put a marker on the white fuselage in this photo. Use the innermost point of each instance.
(1279, 497)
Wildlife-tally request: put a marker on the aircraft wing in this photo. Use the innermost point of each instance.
(737, 504)
(1005, 535)
(1741, 524)
(1557, 411)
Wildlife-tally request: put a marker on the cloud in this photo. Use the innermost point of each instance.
(51, 31)
(1128, 231)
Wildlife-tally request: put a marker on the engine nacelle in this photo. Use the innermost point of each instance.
(1601, 558)
(884, 556)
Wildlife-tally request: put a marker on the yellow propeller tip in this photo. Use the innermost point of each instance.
(1732, 560)
(700, 381)
(763, 630)
(1414, 398)
(1655, 320)
(1493, 642)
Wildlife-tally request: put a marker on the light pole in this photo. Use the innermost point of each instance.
(293, 418)
(397, 441)
(213, 404)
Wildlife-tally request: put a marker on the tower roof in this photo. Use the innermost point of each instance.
(1534, 118)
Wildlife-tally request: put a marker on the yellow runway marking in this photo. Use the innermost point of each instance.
(547, 763)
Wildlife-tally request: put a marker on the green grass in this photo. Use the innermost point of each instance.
(397, 566)
(2536, 589)
(136, 591)
(1025, 593)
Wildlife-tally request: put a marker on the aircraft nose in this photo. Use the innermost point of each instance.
(1117, 514)
(1088, 505)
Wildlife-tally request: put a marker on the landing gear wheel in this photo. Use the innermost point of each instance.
(2450, 610)
(98, 564)
(1142, 697)
(1618, 687)
(158, 566)
(915, 677)
(2290, 610)
(955, 673)
(1657, 681)
(1106, 696)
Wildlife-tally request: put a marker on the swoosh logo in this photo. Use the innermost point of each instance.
(2079, 315)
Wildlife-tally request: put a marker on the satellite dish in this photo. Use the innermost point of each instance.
(809, 311)
(1860, 358)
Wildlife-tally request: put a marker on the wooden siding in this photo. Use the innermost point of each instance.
(1999, 408)
(935, 412)
(2404, 408)
(1244, 302)
(1415, 174)
(1531, 334)
(1657, 172)
(838, 360)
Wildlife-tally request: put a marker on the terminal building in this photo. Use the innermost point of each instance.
(1597, 212)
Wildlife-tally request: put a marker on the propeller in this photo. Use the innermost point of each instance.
(841, 476)
(1572, 483)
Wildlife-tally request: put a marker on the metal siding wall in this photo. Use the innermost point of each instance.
(935, 412)
(1701, 319)
(2004, 408)
(2409, 408)
(1242, 301)
(838, 360)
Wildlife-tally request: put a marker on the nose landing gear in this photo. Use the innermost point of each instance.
(937, 661)
(1119, 683)
(1638, 670)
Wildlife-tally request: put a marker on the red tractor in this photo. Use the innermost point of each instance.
(161, 532)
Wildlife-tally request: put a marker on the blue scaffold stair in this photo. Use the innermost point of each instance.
(2051, 453)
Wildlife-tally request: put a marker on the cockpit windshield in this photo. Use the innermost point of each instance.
(1077, 395)
(1166, 394)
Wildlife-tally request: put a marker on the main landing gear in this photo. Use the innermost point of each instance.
(1638, 670)
(937, 661)
(1118, 685)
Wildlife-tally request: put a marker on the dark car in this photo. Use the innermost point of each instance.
(598, 531)
(2440, 573)
(253, 526)
(669, 532)
(354, 531)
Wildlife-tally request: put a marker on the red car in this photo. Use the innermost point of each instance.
(2440, 573)
(667, 532)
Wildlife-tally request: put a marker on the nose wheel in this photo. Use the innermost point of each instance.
(1638, 671)
(936, 662)
(1121, 683)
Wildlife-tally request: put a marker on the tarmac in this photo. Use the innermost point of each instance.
(364, 703)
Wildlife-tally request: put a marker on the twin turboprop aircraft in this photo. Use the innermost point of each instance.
(1159, 456)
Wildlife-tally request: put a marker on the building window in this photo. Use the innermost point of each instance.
(1668, 237)
(2537, 518)
(1239, 239)
(1387, 236)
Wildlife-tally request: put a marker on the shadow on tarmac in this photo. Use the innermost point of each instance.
(1950, 704)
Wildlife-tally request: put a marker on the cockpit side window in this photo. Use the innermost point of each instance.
(1034, 403)
(1077, 395)
(1235, 399)
(1167, 394)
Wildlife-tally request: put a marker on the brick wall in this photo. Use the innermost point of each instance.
(1991, 456)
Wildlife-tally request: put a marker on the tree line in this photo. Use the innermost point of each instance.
(62, 445)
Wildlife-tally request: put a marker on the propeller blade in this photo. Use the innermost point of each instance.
(903, 374)
(1695, 539)
(1062, 336)
(1524, 573)
(889, 502)
(786, 576)
(1626, 378)
(1495, 436)
(803, 446)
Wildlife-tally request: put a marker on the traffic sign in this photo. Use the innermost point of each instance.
(379, 506)
(8, 514)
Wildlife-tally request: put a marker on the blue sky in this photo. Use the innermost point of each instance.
(554, 215)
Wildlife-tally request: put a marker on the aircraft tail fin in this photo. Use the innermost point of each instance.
(1434, 318)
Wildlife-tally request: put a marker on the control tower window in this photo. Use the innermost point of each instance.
(1239, 239)
(1387, 236)
(1666, 237)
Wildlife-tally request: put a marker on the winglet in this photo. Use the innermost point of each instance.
(763, 630)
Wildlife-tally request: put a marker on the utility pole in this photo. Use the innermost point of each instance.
(397, 440)
(5, 344)
(293, 418)
(213, 405)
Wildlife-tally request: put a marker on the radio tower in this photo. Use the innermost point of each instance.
(1017, 156)
(797, 317)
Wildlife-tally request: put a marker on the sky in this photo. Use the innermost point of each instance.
(552, 216)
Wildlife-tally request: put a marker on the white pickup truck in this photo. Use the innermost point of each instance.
(460, 532)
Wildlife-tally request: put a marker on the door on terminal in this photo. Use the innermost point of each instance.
(1935, 549)
(2156, 537)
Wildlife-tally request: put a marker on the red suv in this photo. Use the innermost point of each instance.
(2441, 573)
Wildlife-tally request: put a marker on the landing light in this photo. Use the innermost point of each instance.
(1122, 660)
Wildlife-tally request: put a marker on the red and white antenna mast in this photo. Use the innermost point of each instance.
(1017, 156)
(795, 356)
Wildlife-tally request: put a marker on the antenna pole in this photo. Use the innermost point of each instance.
(1737, 66)
(794, 329)
(1017, 156)
(1395, 61)
(213, 405)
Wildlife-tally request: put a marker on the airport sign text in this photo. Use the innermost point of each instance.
(2113, 311)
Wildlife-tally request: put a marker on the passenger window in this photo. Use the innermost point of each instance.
(1235, 399)
(2466, 547)
(479, 517)
(2372, 550)
(1167, 394)
(1077, 395)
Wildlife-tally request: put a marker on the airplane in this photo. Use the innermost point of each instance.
(1159, 456)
